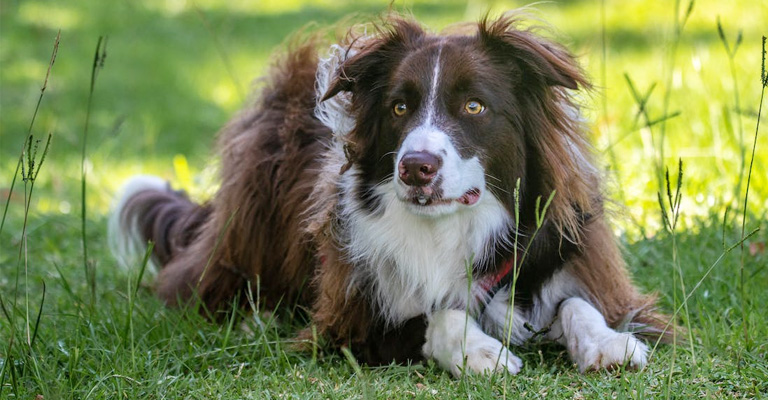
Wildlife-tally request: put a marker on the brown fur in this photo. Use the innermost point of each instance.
(578, 190)
(271, 151)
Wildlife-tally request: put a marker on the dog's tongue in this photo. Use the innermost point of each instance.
(469, 198)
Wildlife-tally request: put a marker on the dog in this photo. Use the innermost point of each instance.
(423, 196)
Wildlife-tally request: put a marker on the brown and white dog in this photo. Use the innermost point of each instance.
(378, 186)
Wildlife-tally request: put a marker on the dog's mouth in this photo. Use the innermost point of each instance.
(426, 197)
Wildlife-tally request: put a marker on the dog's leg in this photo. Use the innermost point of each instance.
(453, 337)
(591, 343)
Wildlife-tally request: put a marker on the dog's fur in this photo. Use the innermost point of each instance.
(318, 206)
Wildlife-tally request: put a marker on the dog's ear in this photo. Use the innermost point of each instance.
(538, 57)
(361, 67)
(371, 56)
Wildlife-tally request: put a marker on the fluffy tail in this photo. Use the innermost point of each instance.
(149, 210)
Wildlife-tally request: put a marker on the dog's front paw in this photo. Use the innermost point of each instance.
(458, 344)
(612, 351)
(489, 356)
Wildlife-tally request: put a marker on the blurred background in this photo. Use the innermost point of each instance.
(176, 70)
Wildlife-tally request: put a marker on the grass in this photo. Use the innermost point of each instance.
(90, 354)
(176, 72)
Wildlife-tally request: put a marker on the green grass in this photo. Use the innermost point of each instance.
(175, 72)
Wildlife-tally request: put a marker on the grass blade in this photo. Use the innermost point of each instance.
(20, 163)
(98, 62)
(37, 321)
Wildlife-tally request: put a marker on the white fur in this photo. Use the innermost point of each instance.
(334, 112)
(457, 175)
(453, 337)
(417, 264)
(433, 87)
(591, 343)
(125, 241)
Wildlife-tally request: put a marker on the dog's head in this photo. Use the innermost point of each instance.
(445, 120)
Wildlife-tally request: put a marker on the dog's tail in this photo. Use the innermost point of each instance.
(149, 210)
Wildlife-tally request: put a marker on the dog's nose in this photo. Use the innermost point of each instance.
(418, 168)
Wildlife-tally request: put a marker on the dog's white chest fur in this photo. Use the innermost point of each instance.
(416, 264)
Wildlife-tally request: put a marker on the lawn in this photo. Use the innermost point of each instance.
(176, 70)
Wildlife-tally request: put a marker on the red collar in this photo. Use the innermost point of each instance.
(492, 280)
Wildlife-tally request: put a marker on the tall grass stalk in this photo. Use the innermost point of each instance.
(99, 57)
(30, 165)
(764, 84)
(671, 218)
(642, 100)
(517, 261)
(679, 25)
(731, 52)
(515, 271)
(467, 310)
(31, 124)
(132, 292)
(645, 122)
(29, 176)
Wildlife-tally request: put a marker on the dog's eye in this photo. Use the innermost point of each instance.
(474, 107)
(400, 109)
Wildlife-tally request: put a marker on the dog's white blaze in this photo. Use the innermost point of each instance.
(417, 264)
(433, 87)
